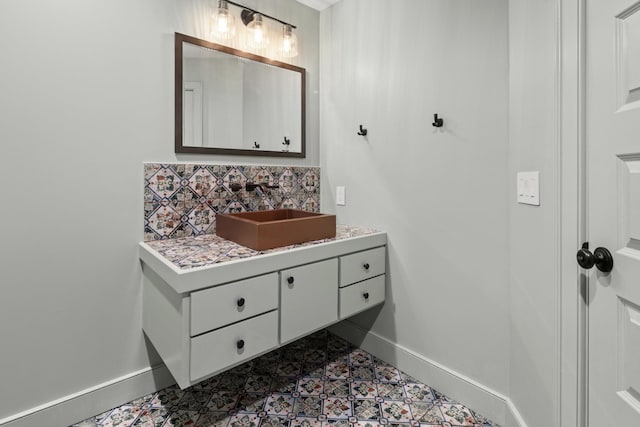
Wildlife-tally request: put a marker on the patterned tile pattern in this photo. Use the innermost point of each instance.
(181, 200)
(207, 249)
(321, 391)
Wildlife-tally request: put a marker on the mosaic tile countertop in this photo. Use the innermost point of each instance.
(209, 249)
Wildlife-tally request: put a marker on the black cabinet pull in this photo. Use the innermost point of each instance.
(240, 302)
(290, 280)
(366, 295)
(240, 344)
(365, 266)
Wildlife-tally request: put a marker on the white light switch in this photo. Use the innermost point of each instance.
(341, 198)
(529, 188)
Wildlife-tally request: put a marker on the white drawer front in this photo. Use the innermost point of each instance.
(219, 350)
(215, 307)
(361, 266)
(361, 296)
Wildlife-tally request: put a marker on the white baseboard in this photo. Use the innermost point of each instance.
(480, 398)
(513, 416)
(92, 401)
(100, 398)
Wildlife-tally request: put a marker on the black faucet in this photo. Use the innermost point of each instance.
(235, 186)
(251, 186)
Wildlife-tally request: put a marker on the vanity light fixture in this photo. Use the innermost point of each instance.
(258, 32)
(258, 38)
(224, 23)
(289, 47)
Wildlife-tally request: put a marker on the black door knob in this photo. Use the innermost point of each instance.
(240, 302)
(604, 259)
(366, 295)
(585, 258)
(365, 266)
(601, 258)
(290, 280)
(240, 344)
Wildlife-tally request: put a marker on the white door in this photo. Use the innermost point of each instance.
(613, 183)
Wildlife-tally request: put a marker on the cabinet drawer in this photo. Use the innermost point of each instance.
(220, 349)
(361, 266)
(352, 298)
(215, 307)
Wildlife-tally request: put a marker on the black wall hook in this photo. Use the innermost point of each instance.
(255, 144)
(363, 131)
(438, 123)
(287, 141)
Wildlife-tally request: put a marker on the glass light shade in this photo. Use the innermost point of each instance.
(258, 38)
(224, 24)
(289, 46)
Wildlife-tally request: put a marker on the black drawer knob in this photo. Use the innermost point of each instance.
(366, 295)
(290, 280)
(240, 302)
(365, 266)
(240, 344)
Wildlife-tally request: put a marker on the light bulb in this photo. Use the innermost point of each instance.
(224, 26)
(289, 47)
(258, 37)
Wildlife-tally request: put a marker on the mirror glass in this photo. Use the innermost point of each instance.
(234, 102)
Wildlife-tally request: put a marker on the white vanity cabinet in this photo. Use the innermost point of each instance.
(205, 320)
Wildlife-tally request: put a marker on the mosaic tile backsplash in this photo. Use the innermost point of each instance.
(181, 200)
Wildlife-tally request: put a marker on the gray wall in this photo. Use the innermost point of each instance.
(440, 194)
(534, 232)
(87, 96)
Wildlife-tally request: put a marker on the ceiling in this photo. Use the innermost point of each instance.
(318, 4)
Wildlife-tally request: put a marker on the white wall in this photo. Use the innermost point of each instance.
(440, 195)
(534, 231)
(86, 97)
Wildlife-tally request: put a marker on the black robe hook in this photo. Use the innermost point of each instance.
(363, 131)
(438, 123)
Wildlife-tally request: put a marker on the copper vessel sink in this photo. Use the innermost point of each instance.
(270, 229)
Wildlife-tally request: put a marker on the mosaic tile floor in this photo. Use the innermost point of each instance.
(318, 381)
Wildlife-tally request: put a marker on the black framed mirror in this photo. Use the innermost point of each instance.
(228, 101)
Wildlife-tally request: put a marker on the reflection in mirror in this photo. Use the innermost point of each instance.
(233, 102)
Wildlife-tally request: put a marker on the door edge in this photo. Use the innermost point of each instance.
(573, 326)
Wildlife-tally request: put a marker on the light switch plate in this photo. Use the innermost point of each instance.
(529, 188)
(341, 198)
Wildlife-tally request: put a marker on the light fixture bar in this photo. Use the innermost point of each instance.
(255, 11)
